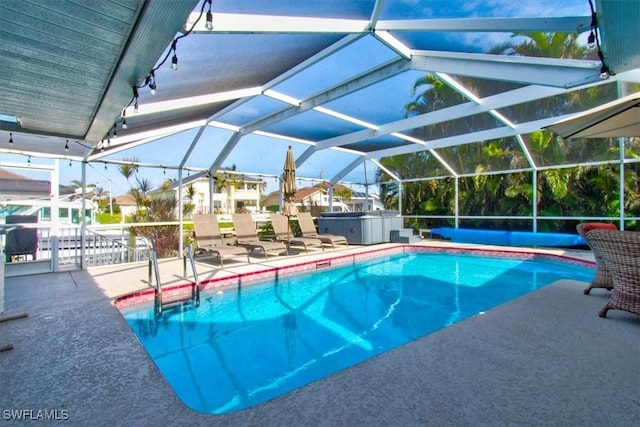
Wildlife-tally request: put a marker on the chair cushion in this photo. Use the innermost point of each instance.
(599, 226)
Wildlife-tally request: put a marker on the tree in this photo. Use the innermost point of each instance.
(190, 194)
(129, 168)
(228, 183)
(343, 194)
(504, 193)
(164, 238)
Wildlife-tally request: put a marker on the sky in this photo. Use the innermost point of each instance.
(259, 155)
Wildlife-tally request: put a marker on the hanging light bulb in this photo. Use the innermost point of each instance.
(604, 70)
(134, 88)
(209, 24)
(29, 160)
(66, 146)
(69, 162)
(151, 82)
(174, 60)
(115, 131)
(591, 40)
(10, 139)
(124, 123)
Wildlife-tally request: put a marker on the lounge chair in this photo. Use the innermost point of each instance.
(620, 252)
(283, 233)
(602, 279)
(248, 238)
(308, 229)
(209, 239)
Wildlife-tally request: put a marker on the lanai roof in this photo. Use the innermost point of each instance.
(330, 77)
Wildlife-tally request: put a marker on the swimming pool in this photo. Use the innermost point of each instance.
(248, 344)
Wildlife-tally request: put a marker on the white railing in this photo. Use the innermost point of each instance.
(62, 250)
(107, 250)
(104, 244)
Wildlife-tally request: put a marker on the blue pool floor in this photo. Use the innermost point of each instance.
(543, 359)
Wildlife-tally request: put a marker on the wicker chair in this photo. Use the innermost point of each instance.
(620, 252)
(602, 279)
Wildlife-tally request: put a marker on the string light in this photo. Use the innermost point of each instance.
(150, 79)
(10, 139)
(115, 130)
(594, 41)
(66, 146)
(29, 160)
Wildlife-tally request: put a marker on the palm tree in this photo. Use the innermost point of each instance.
(227, 182)
(129, 168)
(190, 194)
(77, 185)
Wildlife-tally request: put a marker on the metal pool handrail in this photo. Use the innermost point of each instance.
(160, 301)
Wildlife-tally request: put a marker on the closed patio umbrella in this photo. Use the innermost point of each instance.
(620, 118)
(289, 189)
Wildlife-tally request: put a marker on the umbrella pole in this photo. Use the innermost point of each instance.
(288, 235)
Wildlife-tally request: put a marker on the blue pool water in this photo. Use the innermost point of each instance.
(248, 344)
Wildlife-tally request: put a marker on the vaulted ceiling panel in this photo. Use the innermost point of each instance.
(333, 77)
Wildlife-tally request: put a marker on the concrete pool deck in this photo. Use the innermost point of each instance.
(543, 359)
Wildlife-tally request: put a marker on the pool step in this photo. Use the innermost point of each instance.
(404, 235)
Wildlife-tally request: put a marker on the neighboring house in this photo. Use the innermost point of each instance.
(20, 195)
(127, 204)
(359, 200)
(316, 199)
(17, 187)
(231, 192)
